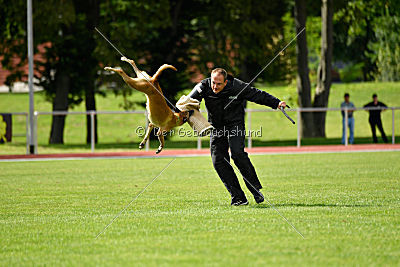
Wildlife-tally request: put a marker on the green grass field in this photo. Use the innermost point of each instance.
(346, 205)
(118, 131)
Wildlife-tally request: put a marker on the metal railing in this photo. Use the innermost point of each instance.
(299, 111)
(249, 112)
(91, 113)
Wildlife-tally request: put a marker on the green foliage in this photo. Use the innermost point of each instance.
(152, 33)
(386, 47)
(358, 24)
(351, 73)
(12, 34)
(314, 44)
(313, 32)
(63, 27)
(240, 36)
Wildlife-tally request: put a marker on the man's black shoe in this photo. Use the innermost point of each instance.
(259, 197)
(240, 203)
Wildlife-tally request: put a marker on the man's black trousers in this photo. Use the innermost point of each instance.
(233, 137)
(377, 123)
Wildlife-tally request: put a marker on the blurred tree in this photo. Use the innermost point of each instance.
(303, 80)
(12, 34)
(68, 70)
(71, 57)
(356, 23)
(386, 47)
(314, 123)
(324, 77)
(151, 33)
(240, 35)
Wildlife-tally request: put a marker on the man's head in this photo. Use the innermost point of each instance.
(218, 80)
(346, 97)
(375, 98)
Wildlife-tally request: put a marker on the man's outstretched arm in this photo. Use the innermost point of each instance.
(196, 93)
(261, 97)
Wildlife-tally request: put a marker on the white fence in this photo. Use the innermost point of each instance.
(297, 111)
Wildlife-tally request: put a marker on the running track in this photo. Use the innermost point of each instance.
(205, 152)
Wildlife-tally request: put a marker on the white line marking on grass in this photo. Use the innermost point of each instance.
(269, 202)
(105, 228)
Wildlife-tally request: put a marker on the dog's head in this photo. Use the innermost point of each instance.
(182, 117)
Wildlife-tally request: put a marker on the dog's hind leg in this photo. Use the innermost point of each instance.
(150, 127)
(135, 83)
(133, 64)
(160, 135)
(117, 70)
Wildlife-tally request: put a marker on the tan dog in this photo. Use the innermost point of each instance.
(160, 115)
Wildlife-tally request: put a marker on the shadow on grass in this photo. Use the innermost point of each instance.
(267, 206)
(315, 141)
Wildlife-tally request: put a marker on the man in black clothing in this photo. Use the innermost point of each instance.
(225, 99)
(375, 118)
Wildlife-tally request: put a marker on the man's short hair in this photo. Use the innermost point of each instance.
(220, 71)
(374, 95)
(346, 95)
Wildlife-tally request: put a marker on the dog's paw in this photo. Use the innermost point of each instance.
(141, 146)
(159, 150)
(113, 69)
(124, 59)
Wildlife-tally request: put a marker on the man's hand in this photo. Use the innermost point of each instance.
(282, 104)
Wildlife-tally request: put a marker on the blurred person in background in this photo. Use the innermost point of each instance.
(350, 119)
(375, 118)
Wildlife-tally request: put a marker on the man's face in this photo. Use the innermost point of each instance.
(217, 82)
(347, 99)
(375, 99)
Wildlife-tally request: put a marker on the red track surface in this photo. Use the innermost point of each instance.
(195, 152)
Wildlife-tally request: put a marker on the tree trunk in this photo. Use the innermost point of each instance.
(245, 69)
(175, 12)
(324, 78)
(60, 103)
(92, 9)
(90, 104)
(303, 80)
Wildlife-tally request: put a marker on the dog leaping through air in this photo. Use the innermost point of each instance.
(159, 114)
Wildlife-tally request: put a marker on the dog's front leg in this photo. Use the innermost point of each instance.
(122, 73)
(160, 135)
(146, 137)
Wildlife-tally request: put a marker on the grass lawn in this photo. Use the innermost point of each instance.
(117, 132)
(346, 205)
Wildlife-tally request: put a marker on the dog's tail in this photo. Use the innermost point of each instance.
(161, 69)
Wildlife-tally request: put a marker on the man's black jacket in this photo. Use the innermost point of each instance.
(375, 115)
(233, 97)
